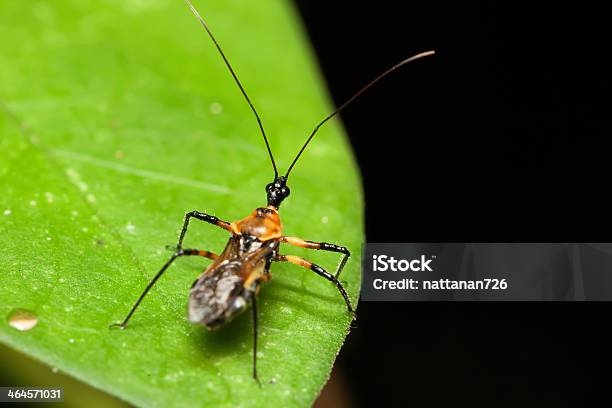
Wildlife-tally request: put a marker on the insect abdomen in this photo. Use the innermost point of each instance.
(218, 295)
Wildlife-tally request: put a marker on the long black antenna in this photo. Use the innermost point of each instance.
(345, 104)
(212, 37)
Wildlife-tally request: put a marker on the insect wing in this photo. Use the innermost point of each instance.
(225, 289)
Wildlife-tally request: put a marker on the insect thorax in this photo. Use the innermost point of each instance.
(248, 243)
(262, 224)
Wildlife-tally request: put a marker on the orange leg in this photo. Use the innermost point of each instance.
(318, 270)
(205, 254)
(324, 246)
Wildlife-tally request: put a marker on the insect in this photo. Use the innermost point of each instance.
(229, 285)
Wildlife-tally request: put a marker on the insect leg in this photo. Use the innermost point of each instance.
(324, 246)
(179, 253)
(211, 219)
(318, 270)
(255, 332)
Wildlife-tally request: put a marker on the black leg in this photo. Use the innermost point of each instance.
(255, 332)
(323, 246)
(182, 252)
(345, 258)
(211, 219)
(320, 271)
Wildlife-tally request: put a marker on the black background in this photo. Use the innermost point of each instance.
(503, 136)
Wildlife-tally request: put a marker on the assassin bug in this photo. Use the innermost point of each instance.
(230, 284)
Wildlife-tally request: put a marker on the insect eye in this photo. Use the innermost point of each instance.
(269, 187)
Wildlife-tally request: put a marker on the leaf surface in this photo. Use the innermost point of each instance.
(116, 118)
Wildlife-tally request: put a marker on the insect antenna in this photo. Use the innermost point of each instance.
(355, 96)
(212, 37)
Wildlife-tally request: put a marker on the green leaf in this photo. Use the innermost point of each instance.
(116, 118)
